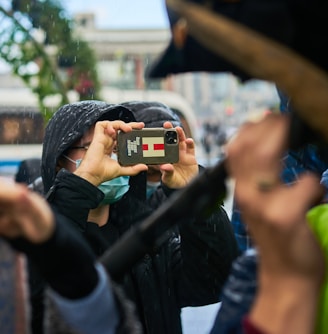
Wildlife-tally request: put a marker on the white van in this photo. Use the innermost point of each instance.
(22, 125)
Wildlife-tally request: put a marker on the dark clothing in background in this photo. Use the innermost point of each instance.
(238, 295)
(28, 170)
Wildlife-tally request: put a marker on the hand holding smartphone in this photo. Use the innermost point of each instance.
(150, 146)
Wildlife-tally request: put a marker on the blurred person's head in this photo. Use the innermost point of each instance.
(280, 20)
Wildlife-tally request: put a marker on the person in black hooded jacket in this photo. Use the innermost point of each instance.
(191, 266)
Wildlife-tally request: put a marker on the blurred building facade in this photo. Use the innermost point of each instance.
(123, 56)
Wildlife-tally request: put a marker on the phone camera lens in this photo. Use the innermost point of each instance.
(171, 137)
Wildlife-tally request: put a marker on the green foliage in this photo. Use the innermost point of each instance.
(51, 66)
(47, 15)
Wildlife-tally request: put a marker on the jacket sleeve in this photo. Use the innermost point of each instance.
(208, 247)
(77, 312)
(73, 197)
(65, 260)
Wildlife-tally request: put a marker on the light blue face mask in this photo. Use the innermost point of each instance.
(113, 189)
(151, 188)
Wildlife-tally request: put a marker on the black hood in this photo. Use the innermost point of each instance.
(69, 124)
(153, 114)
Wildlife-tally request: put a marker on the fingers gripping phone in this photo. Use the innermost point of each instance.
(150, 146)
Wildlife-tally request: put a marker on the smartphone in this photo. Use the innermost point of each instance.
(150, 146)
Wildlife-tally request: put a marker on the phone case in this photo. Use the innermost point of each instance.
(150, 146)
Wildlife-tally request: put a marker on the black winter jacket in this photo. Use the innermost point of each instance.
(189, 269)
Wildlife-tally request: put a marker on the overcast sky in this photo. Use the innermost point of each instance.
(122, 13)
